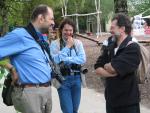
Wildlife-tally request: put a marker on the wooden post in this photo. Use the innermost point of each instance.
(64, 7)
(77, 23)
(97, 6)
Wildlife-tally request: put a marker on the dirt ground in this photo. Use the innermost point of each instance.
(94, 82)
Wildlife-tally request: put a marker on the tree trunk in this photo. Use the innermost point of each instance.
(4, 23)
(120, 6)
(4, 16)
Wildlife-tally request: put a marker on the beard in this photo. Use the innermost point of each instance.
(117, 35)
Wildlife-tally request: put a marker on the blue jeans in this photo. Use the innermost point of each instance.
(70, 94)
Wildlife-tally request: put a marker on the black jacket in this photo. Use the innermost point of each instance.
(123, 89)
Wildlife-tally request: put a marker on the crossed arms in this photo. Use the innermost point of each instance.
(107, 71)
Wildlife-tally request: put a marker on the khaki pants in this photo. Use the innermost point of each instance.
(32, 99)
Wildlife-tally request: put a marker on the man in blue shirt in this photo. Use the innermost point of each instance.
(32, 91)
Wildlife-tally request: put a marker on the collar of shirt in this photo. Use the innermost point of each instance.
(42, 37)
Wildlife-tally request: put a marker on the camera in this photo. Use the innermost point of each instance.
(84, 70)
(80, 68)
(67, 69)
(60, 78)
(64, 69)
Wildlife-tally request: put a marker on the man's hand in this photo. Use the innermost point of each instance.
(70, 41)
(108, 67)
(104, 73)
(13, 72)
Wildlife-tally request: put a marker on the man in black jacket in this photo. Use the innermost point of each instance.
(118, 64)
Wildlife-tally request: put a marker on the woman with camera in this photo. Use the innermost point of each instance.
(70, 55)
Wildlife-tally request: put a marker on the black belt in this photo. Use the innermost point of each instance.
(47, 84)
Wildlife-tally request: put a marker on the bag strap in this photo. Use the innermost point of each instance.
(130, 42)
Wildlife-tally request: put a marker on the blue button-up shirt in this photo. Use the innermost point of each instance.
(26, 55)
(69, 56)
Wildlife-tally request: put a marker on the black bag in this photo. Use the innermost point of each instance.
(7, 90)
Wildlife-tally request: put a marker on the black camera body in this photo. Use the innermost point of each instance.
(60, 78)
(80, 68)
(66, 70)
(84, 70)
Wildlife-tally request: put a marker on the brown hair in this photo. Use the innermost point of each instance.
(63, 23)
(41, 9)
(123, 21)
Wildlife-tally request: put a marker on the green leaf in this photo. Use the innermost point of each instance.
(2, 73)
(4, 62)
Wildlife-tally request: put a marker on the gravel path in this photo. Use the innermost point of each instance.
(91, 102)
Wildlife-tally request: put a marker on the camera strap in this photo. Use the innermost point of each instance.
(62, 45)
(45, 47)
(43, 44)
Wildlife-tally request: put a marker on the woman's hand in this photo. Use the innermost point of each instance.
(70, 41)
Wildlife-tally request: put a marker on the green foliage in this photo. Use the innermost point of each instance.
(20, 10)
(15, 18)
(29, 6)
(2, 70)
(107, 8)
(9, 13)
(2, 73)
(135, 8)
(89, 6)
(4, 62)
(81, 6)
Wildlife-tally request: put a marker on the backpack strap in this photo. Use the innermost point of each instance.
(130, 42)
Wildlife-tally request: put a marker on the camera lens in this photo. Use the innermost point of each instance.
(84, 71)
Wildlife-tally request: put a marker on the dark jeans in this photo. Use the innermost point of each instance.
(135, 108)
(70, 94)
